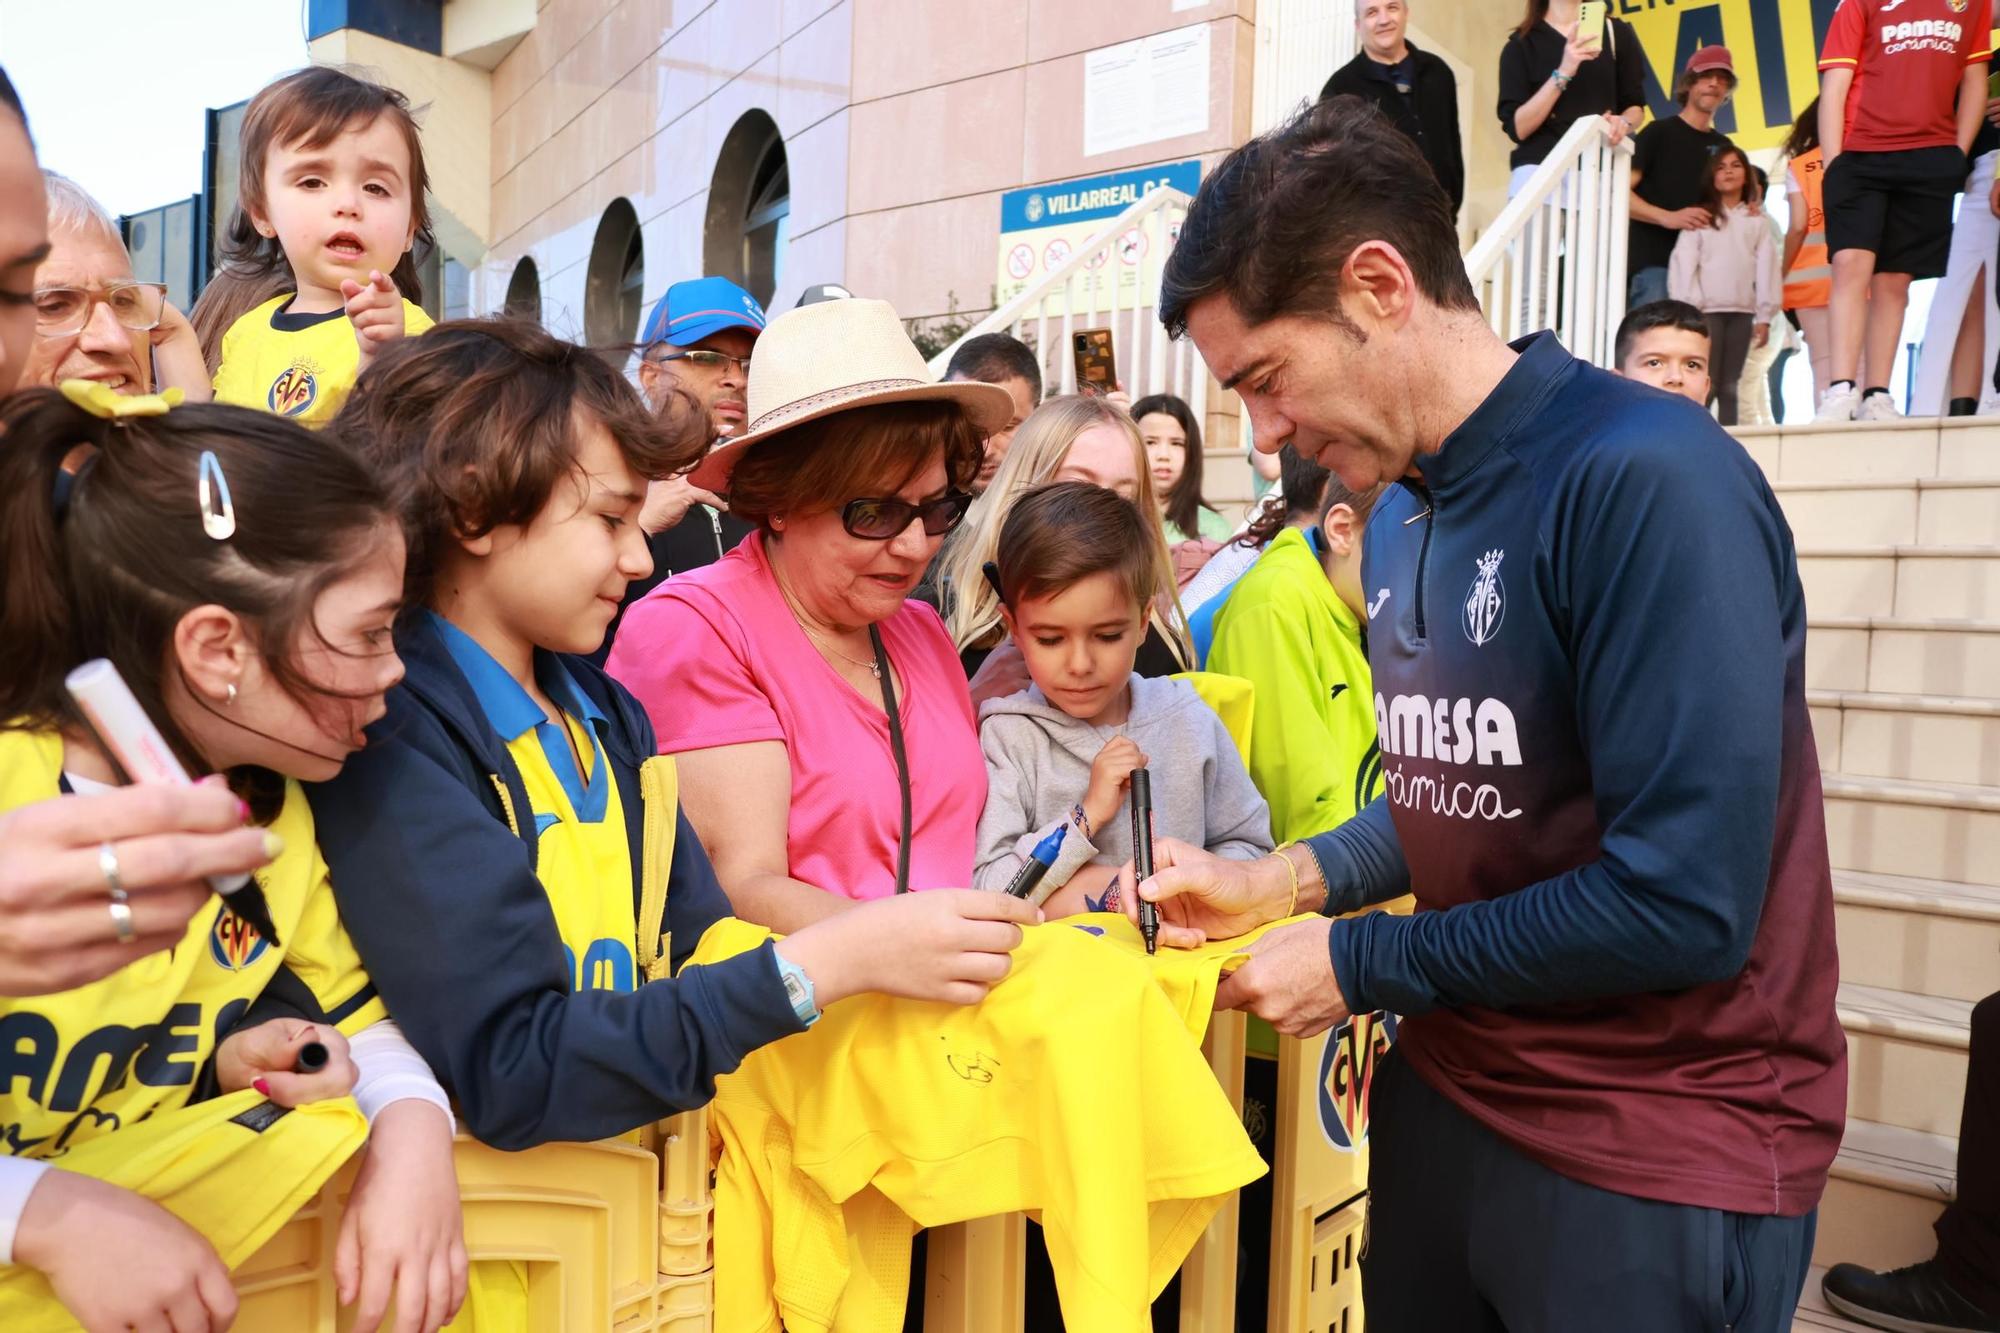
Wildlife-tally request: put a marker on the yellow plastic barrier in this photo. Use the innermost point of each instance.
(615, 1235)
(1335, 1275)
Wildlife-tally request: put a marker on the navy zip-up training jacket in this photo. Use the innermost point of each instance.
(443, 904)
(1587, 638)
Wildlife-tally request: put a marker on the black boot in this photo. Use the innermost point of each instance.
(1909, 1300)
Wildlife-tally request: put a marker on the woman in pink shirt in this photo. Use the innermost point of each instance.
(773, 673)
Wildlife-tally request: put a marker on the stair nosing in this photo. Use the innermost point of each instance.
(1919, 484)
(1899, 551)
(1908, 1161)
(1952, 1031)
(1909, 893)
(1903, 624)
(1875, 701)
(1903, 791)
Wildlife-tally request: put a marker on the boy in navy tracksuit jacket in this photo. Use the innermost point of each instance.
(1588, 643)
(528, 1060)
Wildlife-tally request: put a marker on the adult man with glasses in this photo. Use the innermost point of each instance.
(93, 320)
(694, 360)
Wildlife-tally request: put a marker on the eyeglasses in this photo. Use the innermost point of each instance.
(707, 360)
(877, 519)
(61, 311)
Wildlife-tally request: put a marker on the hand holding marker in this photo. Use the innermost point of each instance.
(1142, 855)
(1038, 863)
(130, 737)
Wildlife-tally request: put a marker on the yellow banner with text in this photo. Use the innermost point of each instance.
(1775, 45)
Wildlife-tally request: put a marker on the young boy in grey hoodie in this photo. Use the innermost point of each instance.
(1075, 574)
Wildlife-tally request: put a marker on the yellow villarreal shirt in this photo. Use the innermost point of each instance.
(1077, 1090)
(583, 856)
(90, 1061)
(298, 366)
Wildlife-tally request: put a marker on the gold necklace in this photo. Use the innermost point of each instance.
(874, 668)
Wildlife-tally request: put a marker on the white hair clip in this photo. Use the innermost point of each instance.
(218, 511)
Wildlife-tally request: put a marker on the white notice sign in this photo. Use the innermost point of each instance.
(1146, 90)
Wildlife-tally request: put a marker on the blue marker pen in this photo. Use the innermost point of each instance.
(1038, 864)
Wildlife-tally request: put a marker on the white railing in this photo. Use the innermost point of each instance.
(1097, 288)
(1555, 257)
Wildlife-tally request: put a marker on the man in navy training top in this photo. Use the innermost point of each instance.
(1619, 1081)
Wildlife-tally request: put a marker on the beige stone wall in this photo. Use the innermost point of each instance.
(956, 103)
(1471, 33)
(453, 105)
(632, 98)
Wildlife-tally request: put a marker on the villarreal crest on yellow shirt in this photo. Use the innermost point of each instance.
(102, 1057)
(298, 366)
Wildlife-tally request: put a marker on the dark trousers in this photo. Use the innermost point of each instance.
(1969, 1231)
(1465, 1234)
(1729, 334)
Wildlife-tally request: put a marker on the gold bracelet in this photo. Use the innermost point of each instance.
(1293, 871)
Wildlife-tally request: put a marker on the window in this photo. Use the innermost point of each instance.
(749, 207)
(524, 291)
(614, 282)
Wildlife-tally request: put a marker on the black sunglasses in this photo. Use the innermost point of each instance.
(877, 519)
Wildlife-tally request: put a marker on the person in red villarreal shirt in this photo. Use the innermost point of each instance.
(1901, 94)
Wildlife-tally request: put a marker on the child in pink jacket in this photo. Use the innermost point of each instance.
(1729, 272)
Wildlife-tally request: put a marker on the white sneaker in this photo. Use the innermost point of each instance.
(1838, 404)
(1989, 406)
(1877, 407)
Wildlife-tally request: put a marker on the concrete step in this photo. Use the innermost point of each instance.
(1814, 1315)
(1929, 830)
(1921, 737)
(1906, 1056)
(1959, 658)
(1921, 935)
(1886, 1187)
(1876, 451)
(1906, 582)
(1927, 511)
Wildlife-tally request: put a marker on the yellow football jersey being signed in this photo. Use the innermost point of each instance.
(1076, 1090)
(298, 366)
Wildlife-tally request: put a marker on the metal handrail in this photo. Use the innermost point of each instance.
(1555, 256)
(1147, 361)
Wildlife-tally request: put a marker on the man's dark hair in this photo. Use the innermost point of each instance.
(1656, 315)
(993, 357)
(1272, 228)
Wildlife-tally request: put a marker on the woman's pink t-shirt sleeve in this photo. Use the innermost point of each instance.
(689, 666)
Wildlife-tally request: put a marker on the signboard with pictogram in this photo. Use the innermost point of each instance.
(1046, 224)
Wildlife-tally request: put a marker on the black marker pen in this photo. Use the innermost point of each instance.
(1142, 855)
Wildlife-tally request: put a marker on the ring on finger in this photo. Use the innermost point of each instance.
(120, 905)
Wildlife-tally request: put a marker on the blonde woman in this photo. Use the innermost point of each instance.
(1071, 438)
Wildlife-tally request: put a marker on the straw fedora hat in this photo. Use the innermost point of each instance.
(835, 356)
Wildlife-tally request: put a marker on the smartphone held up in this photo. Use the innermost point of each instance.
(1096, 366)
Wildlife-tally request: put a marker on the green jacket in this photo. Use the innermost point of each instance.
(1312, 736)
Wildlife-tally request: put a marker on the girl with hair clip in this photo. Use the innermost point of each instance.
(1070, 438)
(241, 575)
(332, 205)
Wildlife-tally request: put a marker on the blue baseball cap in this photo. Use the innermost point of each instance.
(701, 308)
